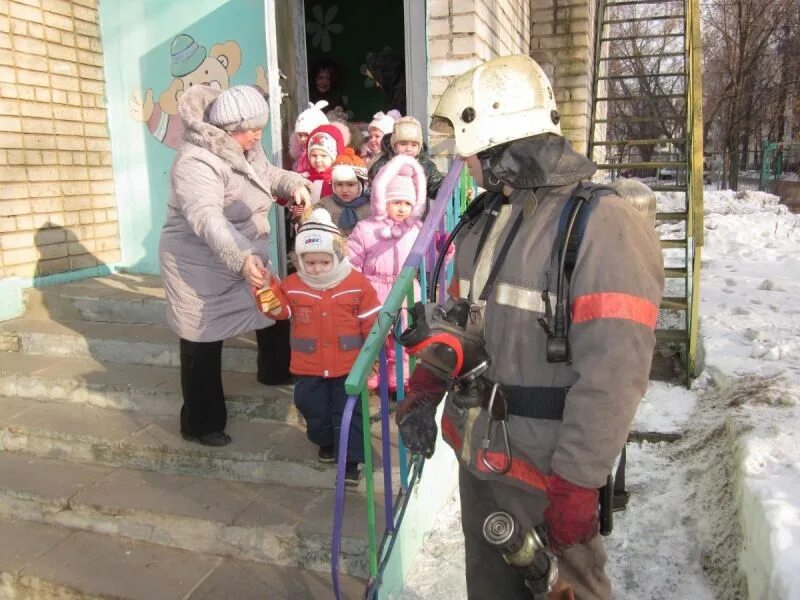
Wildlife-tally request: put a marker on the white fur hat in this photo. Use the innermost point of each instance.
(311, 118)
(319, 234)
(384, 122)
(239, 108)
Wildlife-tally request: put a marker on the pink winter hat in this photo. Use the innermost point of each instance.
(402, 178)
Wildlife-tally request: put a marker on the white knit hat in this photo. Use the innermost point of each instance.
(311, 118)
(239, 108)
(384, 122)
(319, 234)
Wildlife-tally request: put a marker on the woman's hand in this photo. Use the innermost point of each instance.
(254, 272)
(302, 196)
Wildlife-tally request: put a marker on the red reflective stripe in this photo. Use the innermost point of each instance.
(520, 470)
(614, 305)
(450, 434)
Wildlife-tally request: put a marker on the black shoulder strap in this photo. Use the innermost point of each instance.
(583, 199)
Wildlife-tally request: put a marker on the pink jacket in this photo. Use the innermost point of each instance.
(378, 246)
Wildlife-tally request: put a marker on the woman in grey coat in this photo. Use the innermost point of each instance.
(215, 245)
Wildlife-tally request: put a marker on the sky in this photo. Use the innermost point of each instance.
(715, 514)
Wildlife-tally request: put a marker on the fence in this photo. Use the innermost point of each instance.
(445, 211)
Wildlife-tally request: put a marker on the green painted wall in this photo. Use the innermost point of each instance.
(139, 64)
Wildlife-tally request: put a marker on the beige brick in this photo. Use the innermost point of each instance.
(52, 251)
(24, 12)
(97, 173)
(42, 173)
(9, 107)
(87, 216)
(11, 241)
(40, 142)
(49, 267)
(61, 82)
(438, 28)
(5, 24)
(106, 244)
(82, 261)
(45, 188)
(83, 247)
(19, 27)
(49, 157)
(85, 14)
(59, 96)
(92, 87)
(60, 7)
(12, 208)
(46, 205)
(86, 3)
(64, 53)
(439, 48)
(37, 109)
(42, 95)
(68, 128)
(451, 68)
(19, 256)
(43, 126)
(5, 42)
(30, 62)
(10, 139)
(72, 173)
(90, 72)
(71, 218)
(29, 46)
(68, 39)
(53, 235)
(7, 75)
(58, 21)
(98, 145)
(95, 130)
(8, 224)
(105, 230)
(111, 214)
(109, 257)
(101, 187)
(438, 8)
(15, 157)
(87, 100)
(31, 78)
(67, 113)
(80, 232)
(23, 270)
(75, 188)
(33, 157)
(74, 98)
(79, 158)
(27, 92)
(94, 115)
(23, 222)
(4, 157)
(106, 158)
(48, 220)
(52, 35)
(464, 45)
(62, 67)
(13, 174)
(104, 201)
(89, 29)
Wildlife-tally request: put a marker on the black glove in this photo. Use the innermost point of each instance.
(416, 416)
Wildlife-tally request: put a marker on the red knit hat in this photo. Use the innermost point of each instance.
(327, 138)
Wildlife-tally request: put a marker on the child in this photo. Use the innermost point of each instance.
(379, 245)
(349, 202)
(332, 308)
(406, 139)
(308, 121)
(324, 145)
(381, 125)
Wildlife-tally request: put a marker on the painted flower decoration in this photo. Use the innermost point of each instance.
(323, 26)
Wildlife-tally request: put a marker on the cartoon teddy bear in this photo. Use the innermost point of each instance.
(190, 65)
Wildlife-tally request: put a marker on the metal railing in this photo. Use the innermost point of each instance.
(444, 213)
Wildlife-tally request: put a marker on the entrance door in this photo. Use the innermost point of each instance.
(153, 51)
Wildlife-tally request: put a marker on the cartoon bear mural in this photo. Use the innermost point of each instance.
(190, 65)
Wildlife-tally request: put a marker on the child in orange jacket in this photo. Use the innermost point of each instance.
(332, 308)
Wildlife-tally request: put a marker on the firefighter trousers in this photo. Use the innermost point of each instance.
(488, 575)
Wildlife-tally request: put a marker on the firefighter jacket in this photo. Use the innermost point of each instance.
(328, 327)
(615, 290)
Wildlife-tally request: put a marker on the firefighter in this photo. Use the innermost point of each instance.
(569, 353)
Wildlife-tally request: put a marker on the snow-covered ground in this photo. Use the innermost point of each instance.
(715, 514)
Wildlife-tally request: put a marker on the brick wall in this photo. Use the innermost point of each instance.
(562, 41)
(464, 33)
(57, 204)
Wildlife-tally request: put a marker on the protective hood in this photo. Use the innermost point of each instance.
(546, 160)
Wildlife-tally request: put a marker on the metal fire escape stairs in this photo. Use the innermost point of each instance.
(647, 122)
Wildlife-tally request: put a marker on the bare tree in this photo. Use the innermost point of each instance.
(748, 80)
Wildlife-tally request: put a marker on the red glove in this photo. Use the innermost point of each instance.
(416, 416)
(571, 517)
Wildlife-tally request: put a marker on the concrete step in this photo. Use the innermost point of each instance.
(262, 451)
(118, 298)
(138, 388)
(39, 561)
(114, 342)
(276, 524)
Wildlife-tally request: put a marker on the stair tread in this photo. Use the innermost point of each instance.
(94, 564)
(121, 332)
(143, 378)
(258, 440)
(114, 492)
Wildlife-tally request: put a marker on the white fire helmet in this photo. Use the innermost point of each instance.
(504, 99)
